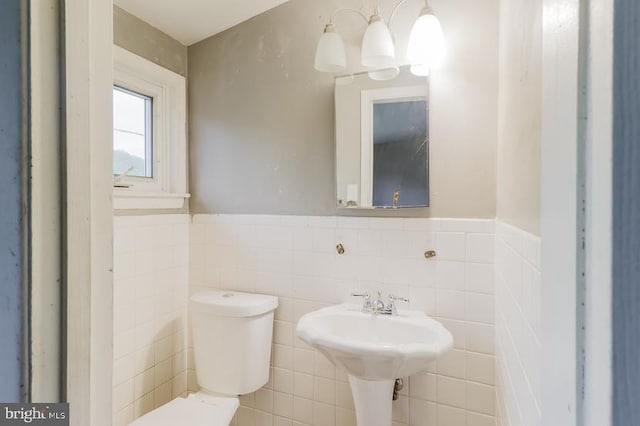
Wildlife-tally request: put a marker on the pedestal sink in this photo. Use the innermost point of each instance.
(374, 350)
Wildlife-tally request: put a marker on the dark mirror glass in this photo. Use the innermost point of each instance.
(382, 141)
(400, 154)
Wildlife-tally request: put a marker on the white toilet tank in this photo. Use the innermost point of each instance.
(232, 334)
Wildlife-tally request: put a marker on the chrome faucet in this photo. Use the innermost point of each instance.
(377, 306)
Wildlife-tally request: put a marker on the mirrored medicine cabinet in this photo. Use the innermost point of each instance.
(382, 141)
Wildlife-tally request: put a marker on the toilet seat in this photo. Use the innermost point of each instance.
(197, 409)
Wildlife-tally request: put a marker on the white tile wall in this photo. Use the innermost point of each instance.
(150, 290)
(295, 259)
(518, 311)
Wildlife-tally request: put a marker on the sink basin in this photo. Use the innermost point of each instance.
(374, 350)
(375, 347)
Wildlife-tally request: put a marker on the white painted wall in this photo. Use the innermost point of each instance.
(88, 183)
(520, 114)
(46, 227)
(559, 210)
(150, 313)
(295, 259)
(518, 280)
(598, 360)
(538, 363)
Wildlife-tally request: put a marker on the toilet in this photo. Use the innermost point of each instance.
(232, 334)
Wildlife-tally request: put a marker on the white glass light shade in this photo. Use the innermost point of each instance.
(420, 70)
(377, 46)
(330, 53)
(384, 75)
(426, 42)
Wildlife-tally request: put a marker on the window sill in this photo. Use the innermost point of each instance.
(126, 199)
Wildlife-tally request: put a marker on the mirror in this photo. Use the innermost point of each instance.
(382, 141)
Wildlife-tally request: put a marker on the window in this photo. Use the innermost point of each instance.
(132, 133)
(149, 134)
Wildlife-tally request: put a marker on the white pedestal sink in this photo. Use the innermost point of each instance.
(374, 350)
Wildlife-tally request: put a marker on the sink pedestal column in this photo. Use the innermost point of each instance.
(372, 399)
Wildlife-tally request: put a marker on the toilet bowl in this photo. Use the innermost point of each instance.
(232, 335)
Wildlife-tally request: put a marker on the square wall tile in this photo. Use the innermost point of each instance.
(303, 385)
(303, 410)
(480, 368)
(282, 404)
(480, 398)
(450, 304)
(423, 386)
(479, 308)
(517, 313)
(324, 390)
(422, 412)
(153, 252)
(451, 392)
(479, 278)
(480, 248)
(450, 416)
(295, 259)
(451, 246)
(324, 414)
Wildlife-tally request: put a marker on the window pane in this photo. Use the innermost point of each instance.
(132, 134)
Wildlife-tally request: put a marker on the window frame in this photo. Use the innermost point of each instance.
(167, 189)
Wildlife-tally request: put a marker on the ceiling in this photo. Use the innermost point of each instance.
(190, 21)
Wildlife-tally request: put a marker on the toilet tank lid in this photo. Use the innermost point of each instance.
(233, 303)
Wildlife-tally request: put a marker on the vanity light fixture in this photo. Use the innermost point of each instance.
(330, 53)
(378, 50)
(425, 50)
(426, 42)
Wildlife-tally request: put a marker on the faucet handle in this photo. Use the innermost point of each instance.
(391, 306)
(378, 305)
(366, 305)
(366, 295)
(393, 298)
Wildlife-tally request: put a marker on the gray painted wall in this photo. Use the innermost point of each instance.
(11, 160)
(626, 214)
(137, 36)
(144, 40)
(261, 119)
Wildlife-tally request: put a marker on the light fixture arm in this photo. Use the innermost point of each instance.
(395, 9)
(400, 3)
(348, 9)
